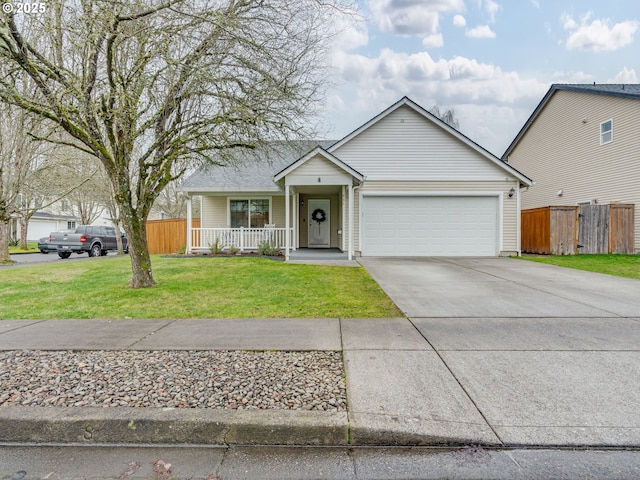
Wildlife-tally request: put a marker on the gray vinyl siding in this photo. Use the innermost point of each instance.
(214, 212)
(318, 166)
(561, 151)
(406, 146)
(509, 219)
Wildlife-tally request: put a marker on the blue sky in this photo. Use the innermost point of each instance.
(492, 61)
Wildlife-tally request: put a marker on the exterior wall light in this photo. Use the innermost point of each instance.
(512, 192)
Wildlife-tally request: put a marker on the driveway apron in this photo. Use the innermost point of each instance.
(546, 355)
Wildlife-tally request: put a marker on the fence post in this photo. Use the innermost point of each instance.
(242, 239)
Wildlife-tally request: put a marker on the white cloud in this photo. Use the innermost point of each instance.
(625, 76)
(459, 21)
(490, 8)
(432, 41)
(350, 32)
(420, 18)
(481, 31)
(476, 90)
(598, 35)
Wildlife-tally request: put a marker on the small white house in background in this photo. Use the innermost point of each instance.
(403, 184)
(41, 224)
(582, 145)
(55, 218)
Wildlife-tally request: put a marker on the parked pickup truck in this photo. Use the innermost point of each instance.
(95, 240)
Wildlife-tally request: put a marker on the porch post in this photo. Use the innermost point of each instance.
(343, 207)
(189, 224)
(296, 203)
(351, 222)
(287, 220)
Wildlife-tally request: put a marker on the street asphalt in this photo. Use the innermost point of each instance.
(495, 352)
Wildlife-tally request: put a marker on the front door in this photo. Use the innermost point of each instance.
(319, 223)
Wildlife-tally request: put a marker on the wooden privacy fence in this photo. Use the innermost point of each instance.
(578, 229)
(168, 236)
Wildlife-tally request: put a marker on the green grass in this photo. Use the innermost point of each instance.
(32, 246)
(191, 288)
(619, 265)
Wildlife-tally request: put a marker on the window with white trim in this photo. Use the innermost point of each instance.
(249, 213)
(606, 132)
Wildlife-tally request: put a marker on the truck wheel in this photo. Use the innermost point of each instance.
(96, 250)
(64, 254)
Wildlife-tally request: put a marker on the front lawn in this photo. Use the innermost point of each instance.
(32, 246)
(201, 287)
(619, 265)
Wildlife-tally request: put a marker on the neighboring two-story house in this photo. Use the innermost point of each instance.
(582, 145)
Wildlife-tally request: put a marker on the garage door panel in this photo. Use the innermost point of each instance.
(429, 226)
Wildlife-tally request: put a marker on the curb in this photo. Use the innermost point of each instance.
(96, 425)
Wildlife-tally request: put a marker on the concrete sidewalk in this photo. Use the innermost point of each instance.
(422, 381)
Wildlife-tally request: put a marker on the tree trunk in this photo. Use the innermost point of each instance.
(24, 229)
(136, 230)
(4, 242)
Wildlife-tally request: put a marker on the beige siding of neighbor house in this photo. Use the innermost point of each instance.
(561, 151)
(508, 223)
(406, 146)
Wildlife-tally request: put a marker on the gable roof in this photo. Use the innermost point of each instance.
(406, 101)
(623, 90)
(323, 153)
(249, 175)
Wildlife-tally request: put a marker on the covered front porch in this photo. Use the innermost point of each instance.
(308, 204)
(319, 193)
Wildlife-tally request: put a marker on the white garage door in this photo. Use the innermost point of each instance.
(429, 226)
(40, 228)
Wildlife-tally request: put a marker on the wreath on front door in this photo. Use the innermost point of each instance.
(318, 215)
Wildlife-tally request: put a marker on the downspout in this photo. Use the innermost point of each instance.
(518, 221)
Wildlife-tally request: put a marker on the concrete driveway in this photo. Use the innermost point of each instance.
(501, 287)
(543, 354)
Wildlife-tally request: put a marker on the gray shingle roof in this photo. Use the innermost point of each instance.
(631, 90)
(254, 170)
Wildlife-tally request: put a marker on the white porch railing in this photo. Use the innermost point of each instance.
(242, 238)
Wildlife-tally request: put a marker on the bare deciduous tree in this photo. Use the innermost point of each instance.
(148, 86)
(448, 117)
(21, 165)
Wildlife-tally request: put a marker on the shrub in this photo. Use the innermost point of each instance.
(233, 250)
(266, 248)
(215, 247)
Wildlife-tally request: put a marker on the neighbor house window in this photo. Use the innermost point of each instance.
(606, 132)
(71, 224)
(252, 213)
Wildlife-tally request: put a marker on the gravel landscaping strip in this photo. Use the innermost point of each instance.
(179, 379)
